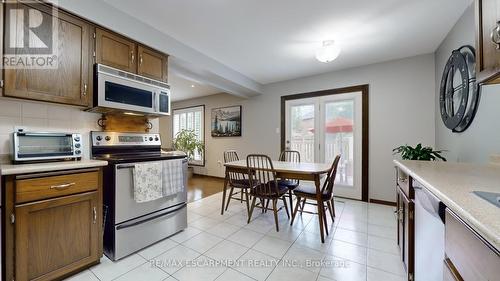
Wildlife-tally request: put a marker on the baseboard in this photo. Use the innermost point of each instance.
(207, 176)
(383, 202)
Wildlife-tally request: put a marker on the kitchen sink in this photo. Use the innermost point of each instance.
(492, 197)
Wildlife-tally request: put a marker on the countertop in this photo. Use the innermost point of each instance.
(453, 184)
(15, 169)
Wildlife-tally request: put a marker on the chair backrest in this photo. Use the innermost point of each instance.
(230, 156)
(262, 174)
(290, 156)
(330, 179)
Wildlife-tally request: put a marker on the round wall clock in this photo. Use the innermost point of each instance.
(459, 92)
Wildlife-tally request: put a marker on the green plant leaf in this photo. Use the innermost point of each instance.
(418, 152)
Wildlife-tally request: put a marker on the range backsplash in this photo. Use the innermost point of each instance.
(37, 116)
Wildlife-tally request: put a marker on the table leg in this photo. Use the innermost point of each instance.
(320, 207)
(226, 179)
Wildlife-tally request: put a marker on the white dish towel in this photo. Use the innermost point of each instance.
(148, 181)
(173, 177)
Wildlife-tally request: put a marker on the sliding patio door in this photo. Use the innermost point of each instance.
(321, 128)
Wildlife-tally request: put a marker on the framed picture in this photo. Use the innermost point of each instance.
(226, 121)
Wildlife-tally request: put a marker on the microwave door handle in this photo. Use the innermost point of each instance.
(45, 134)
(155, 100)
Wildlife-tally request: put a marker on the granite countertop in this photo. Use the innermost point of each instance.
(15, 169)
(453, 184)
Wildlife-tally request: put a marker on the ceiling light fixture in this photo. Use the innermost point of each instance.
(328, 52)
(192, 86)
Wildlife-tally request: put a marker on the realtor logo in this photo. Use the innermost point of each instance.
(30, 36)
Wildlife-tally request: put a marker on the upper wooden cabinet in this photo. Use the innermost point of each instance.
(152, 64)
(115, 51)
(122, 53)
(68, 83)
(488, 41)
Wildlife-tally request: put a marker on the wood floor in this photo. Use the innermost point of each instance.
(202, 186)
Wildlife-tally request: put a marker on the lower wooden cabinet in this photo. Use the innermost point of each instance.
(50, 237)
(406, 231)
(56, 236)
(405, 210)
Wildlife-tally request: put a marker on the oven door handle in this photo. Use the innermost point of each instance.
(135, 223)
(125, 166)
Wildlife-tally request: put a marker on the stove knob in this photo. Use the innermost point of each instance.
(78, 152)
(107, 138)
(98, 138)
(156, 138)
(150, 138)
(77, 145)
(77, 139)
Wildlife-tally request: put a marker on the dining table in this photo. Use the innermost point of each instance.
(286, 170)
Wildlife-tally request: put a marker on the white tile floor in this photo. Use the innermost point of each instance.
(361, 246)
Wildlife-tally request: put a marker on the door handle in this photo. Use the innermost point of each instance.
(495, 35)
(62, 186)
(94, 210)
(85, 89)
(140, 60)
(132, 56)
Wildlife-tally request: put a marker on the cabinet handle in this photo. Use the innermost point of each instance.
(400, 214)
(62, 186)
(94, 210)
(132, 57)
(495, 35)
(85, 89)
(140, 60)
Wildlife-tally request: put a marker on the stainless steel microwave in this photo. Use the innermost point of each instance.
(124, 92)
(45, 146)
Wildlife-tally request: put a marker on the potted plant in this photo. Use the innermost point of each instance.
(419, 152)
(187, 142)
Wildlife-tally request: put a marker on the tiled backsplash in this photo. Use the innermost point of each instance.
(35, 116)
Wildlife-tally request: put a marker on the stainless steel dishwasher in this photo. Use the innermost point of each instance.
(429, 235)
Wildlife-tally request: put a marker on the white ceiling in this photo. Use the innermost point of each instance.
(182, 88)
(270, 41)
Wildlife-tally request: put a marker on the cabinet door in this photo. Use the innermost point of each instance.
(115, 51)
(408, 230)
(488, 52)
(152, 64)
(400, 222)
(68, 82)
(57, 236)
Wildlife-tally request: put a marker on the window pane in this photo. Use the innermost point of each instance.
(190, 119)
(189, 122)
(176, 124)
(183, 121)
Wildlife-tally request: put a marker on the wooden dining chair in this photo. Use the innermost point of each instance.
(265, 185)
(294, 157)
(308, 191)
(236, 180)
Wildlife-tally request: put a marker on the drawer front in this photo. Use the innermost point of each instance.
(471, 257)
(33, 189)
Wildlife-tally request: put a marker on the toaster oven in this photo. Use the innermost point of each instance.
(45, 146)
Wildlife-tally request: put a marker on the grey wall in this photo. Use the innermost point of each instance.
(482, 138)
(401, 101)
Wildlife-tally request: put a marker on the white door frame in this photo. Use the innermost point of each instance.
(362, 109)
